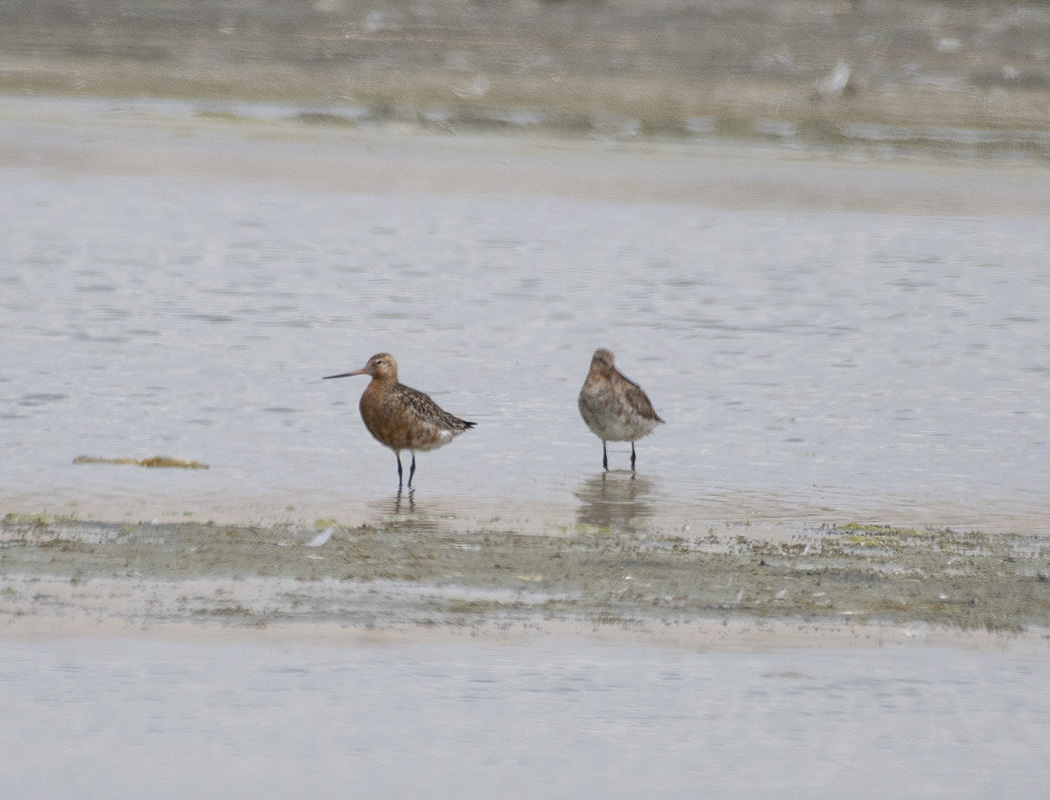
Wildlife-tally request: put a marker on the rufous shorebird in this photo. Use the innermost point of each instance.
(614, 407)
(400, 417)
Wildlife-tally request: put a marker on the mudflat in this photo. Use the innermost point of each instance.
(411, 572)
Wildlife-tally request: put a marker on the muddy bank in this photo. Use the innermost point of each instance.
(411, 573)
(797, 71)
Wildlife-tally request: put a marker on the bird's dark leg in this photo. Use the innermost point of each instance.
(605, 457)
(399, 472)
(632, 456)
(412, 470)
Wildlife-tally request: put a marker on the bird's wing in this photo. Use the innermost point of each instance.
(420, 406)
(639, 400)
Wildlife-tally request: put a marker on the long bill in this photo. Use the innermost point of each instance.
(345, 374)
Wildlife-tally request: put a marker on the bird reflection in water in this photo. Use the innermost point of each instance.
(616, 501)
(403, 514)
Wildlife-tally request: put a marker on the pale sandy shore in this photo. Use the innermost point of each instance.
(75, 137)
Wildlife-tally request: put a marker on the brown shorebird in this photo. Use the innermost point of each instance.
(614, 407)
(400, 417)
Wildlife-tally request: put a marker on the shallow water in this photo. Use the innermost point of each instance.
(125, 718)
(811, 362)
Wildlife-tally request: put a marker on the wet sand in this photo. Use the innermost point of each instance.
(146, 139)
(859, 584)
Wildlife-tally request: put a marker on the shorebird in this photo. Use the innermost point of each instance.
(402, 418)
(614, 407)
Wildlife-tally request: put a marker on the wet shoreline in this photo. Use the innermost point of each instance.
(413, 574)
(261, 142)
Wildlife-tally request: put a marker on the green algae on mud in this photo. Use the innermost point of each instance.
(408, 573)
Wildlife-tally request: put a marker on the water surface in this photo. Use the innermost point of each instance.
(125, 718)
(812, 359)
